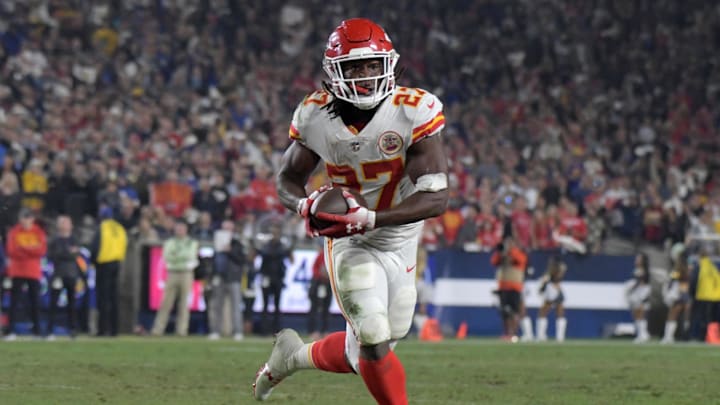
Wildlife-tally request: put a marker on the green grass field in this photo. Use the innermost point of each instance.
(133, 370)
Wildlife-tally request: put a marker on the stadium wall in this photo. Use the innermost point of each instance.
(593, 287)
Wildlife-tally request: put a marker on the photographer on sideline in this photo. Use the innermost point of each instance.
(230, 264)
(272, 273)
(511, 263)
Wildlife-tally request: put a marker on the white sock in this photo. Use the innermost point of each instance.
(641, 327)
(301, 358)
(560, 327)
(527, 328)
(542, 324)
(670, 327)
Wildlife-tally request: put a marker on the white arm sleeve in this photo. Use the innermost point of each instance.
(432, 183)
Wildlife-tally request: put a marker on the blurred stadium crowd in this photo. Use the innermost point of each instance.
(597, 123)
(589, 121)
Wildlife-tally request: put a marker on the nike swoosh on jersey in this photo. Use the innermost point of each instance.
(431, 105)
(410, 268)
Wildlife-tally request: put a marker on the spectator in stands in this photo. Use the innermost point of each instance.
(489, 227)
(628, 218)
(596, 227)
(653, 219)
(63, 251)
(637, 292)
(212, 198)
(230, 263)
(58, 188)
(10, 201)
(34, 185)
(432, 236)
(272, 273)
(26, 245)
(467, 236)
(562, 116)
(572, 230)
(108, 251)
(677, 224)
(128, 214)
(451, 221)
(203, 231)
(521, 221)
(543, 223)
(320, 295)
(264, 192)
(163, 223)
(702, 231)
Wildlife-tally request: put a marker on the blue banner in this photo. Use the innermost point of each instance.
(594, 290)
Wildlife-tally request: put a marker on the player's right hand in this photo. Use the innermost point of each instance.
(304, 209)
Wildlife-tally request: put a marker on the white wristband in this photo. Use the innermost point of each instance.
(371, 220)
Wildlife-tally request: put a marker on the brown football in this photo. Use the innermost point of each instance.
(333, 202)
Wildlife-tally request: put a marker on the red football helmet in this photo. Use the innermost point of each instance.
(359, 39)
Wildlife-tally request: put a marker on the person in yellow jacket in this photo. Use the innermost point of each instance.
(705, 294)
(108, 252)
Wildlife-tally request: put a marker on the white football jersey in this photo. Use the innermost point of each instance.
(372, 160)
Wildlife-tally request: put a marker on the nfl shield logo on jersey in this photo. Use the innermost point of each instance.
(355, 146)
(390, 143)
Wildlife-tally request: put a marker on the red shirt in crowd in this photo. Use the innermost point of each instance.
(489, 230)
(173, 196)
(452, 220)
(573, 226)
(542, 232)
(653, 224)
(25, 249)
(265, 196)
(522, 226)
(431, 232)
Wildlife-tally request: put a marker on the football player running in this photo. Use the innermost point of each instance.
(382, 140)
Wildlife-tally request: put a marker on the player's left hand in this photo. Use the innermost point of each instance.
(357, 220)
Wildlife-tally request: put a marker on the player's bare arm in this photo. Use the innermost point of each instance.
(425, 158)
(296, 166)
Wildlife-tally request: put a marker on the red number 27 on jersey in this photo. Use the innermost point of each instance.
(345, 175)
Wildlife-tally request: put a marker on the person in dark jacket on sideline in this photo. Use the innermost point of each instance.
(63, 251)
(272, 273)
(230, 264)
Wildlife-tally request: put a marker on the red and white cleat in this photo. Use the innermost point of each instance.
(280, 364)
